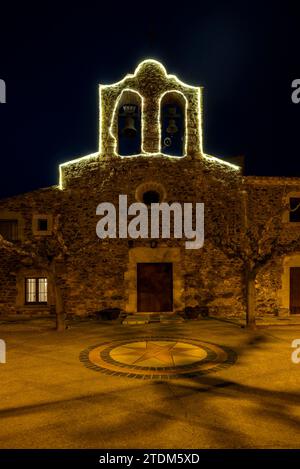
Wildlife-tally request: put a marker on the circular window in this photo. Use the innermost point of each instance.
(150, 192)
(151, 197)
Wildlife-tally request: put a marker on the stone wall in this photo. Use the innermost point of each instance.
(267, 198)
(24, 208)
(93, 276)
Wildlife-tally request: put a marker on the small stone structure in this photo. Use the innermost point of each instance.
(101, 274)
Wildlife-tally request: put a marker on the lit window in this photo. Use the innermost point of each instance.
(295, 209)
(36, 290)
(9, 229)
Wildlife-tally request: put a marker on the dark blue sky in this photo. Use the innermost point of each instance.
(245, 54)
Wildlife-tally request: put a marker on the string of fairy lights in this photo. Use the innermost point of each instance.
(103, 121)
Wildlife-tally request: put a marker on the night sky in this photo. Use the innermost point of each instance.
(52, 58)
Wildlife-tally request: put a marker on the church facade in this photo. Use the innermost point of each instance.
(151, 150)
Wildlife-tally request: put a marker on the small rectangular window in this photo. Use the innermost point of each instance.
(42, 224)
(295, 209)
(9, 229)
(36, 290)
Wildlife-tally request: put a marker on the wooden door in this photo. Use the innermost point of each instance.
(295, 290)
(154, 287)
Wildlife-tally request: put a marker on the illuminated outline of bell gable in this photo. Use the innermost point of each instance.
(98, 154)
(171, 90)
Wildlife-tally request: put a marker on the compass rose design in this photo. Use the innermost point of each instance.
(157, 357)
(158, 353)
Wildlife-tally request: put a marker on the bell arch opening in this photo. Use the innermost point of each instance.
(173, 123)
(129, 126)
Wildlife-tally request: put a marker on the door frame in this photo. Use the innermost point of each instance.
(153, 255)
(284, 294)
(171, 279)
(291, 312)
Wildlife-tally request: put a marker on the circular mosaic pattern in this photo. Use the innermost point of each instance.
(157, 357)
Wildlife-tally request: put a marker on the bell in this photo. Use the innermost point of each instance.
(172, 127)
(172, 112)
(129, 129)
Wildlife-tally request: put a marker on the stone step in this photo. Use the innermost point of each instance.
(143, 318)
(167, 318)
(132, 319)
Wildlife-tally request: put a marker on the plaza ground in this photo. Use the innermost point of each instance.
(50, 399)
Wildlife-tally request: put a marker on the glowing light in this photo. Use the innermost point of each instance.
(159, 122)
(112, 123)
(143, 151)
(116, 105)
(199, 117)
(76, 160)
(137, 71)
(219, 160)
